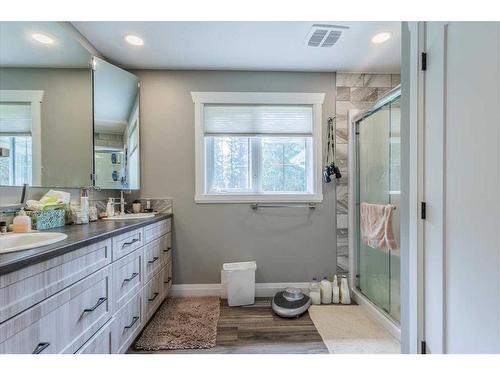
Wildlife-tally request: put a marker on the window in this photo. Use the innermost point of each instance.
(20, 133)
(15, 135)
(258, 147)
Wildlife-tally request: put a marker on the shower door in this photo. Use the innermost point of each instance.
(378, 171)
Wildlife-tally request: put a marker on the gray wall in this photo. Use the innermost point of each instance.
(289, 245)
(66, 120)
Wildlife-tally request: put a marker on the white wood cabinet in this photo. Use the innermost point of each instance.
(95, 299)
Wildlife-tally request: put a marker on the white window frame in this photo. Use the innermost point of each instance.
(314, 99)
(35, 97)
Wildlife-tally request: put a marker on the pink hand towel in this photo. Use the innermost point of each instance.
(376, 226)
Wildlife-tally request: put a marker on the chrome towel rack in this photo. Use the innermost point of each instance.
(310, 205)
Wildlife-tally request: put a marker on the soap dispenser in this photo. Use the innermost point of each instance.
(22, 222)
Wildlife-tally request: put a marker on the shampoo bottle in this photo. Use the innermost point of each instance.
(345, 297)
(326, 291)
(314, 292)
(110, 207)
(335, 290)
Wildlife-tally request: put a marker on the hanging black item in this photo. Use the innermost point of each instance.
(330, 168)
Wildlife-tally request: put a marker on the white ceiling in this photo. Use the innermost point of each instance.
(19, 49)
(244, 46)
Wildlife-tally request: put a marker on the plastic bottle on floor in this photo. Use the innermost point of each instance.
(335, 290)
(326, 291)
(314, 292)
(345, 296)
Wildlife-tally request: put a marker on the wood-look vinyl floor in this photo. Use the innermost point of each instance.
(257, 330)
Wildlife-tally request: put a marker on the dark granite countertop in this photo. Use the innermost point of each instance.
(78, 236)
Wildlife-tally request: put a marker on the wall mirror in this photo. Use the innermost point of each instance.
(45, 106)
(116, 127)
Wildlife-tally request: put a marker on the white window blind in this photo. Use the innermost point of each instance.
(15, 118)
(227, 119)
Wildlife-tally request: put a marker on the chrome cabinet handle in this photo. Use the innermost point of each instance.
(99, 303)
(41, 347)
(153, 260)
(134, 320)
(130, 243)
(154, 297)
(134, 275)
(168, 280)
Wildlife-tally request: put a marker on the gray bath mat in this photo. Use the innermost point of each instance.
(182, 323)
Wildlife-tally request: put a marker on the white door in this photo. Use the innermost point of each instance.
(462, 187)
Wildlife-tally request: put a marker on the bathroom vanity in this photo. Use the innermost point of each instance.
(91, 293)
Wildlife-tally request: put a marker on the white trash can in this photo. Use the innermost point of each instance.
(239, 281)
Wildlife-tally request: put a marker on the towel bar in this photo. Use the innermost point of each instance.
(255, 206)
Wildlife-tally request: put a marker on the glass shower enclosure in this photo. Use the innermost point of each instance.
(377, 181)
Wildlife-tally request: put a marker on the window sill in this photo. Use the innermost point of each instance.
(259, 198)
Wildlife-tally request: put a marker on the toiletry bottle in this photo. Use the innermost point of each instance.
(84, 205)
(314, 292)
(22, 222)
(326, 291)
(110, 207)
(345, 297)
(335, 290)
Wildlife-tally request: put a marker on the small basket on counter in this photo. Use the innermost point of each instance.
(47, 219)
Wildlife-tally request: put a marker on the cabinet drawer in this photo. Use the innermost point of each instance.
(125, 243)
(127, 324)
(154, 257)
(156, 230)
(22, 289)
(127, 278)
(166, 277)
(62, 323)
(152, 295)
(100, 343)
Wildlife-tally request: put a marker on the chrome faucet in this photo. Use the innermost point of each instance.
(122, 203)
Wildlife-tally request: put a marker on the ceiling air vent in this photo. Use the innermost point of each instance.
(324, 35)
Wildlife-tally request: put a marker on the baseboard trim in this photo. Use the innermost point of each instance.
(261, 289)
(376, 314)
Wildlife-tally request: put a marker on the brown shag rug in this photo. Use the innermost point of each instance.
(182, 323)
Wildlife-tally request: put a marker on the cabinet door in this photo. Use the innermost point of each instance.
(127, 324)
(127, 278)
(153, 257)
(100, 343)
(152, 295)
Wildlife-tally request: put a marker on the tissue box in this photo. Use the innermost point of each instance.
(49, 219)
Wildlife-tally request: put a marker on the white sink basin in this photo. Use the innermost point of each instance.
(131, 216)
(23, 241)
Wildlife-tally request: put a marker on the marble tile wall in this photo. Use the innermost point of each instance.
(355, 92)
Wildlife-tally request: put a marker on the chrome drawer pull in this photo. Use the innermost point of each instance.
(153, 260)
(99, 303)
(134, 275)
(41, 347)
(167, 250)
(134, 320)
(168, 280)
(130, 243)
(154, 297)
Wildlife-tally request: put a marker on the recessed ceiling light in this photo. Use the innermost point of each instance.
(134, 40)
(382, 37)
(42, 38)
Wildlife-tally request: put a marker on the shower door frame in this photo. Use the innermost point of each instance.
(353, 210)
